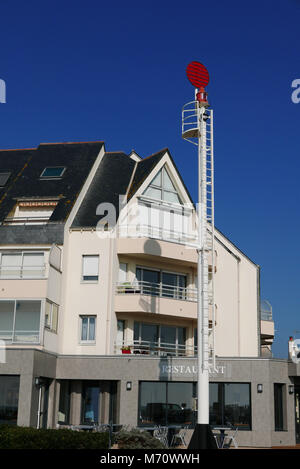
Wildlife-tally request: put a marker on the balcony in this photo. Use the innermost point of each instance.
(156, 298)
(267, 330)
(26, 221)
(21, 321)
(20, 337)
(22, 272)
(157, 289)
(154, 349)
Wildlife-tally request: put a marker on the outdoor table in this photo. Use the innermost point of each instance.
(222, 435)
(172, 429)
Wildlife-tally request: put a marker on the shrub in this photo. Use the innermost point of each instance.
(136, 439)
(12, 437)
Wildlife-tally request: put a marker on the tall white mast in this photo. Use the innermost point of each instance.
(197, 128)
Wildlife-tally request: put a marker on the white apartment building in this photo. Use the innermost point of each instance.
(98, 301)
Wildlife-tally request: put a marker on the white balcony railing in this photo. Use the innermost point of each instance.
(266, 313)
(157, 289)
(156, 348)
(26, 220)
(19, 271)
(147, 231)
(24, 337)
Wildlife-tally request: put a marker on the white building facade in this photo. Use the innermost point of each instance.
(98, 304)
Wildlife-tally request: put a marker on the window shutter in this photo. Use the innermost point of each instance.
(90, 267)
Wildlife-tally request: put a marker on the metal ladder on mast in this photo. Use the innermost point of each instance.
(190, 132)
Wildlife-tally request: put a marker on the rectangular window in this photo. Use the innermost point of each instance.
(64, 402)
(20, 321)
(122, 272)
(166, 403)
(90, 268)
(278, 407)
(230, 404)
(22, 265)
(9, 398)
(161, 283)
(33, 264)
(90, 403)
(159, 339)
(51, 316)
(88, 329)
(53, 172)
(149, 281)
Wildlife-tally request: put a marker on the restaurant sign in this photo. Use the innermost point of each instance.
(191, 370)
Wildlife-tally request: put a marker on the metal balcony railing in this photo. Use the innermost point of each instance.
(25, 337)
(157, 289)
(19, 271)
(266, 313)
(164, 234)
(26, 220)
(155, 348)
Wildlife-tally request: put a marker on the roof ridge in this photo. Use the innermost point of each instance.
(70, 143)
(17, 149)
(155, 154)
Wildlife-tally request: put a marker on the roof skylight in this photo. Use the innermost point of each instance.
(4, 177)
(53, 172)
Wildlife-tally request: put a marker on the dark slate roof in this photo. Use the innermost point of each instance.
(14, 162)
(118, 174)
(111, 180)
(78, 158)
(144, 168)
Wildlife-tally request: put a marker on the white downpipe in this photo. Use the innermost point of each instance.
(39, 407)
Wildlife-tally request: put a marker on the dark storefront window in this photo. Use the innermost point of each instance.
(230, 404)
(64, 403)
(90, 403)
(113, 407)
(9, 397)
(278, 407)
(166, 403)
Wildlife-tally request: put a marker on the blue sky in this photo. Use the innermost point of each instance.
(93, 70)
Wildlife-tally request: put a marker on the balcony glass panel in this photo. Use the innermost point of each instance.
(22, 265)
(168, 335)
(7, 309)
(20, 321)
(27, 321)
(33, 264)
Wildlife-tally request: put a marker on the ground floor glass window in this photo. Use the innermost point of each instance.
(9, 397)
(230, 404)
(166, 403)
(173, 403)
(90, 403)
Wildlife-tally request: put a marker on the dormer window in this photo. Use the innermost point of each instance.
(30, 212)
(4, 177)
(53, 172)
(162, 188)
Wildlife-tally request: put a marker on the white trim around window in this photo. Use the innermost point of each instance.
(87, 329)
(22, 264)
(90, 268)
(51, 316)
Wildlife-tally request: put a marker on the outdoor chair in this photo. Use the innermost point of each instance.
(217, 440)
(230, 439)
(161, 433)
(179, 437)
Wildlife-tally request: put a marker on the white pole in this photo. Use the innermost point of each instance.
(202, 311)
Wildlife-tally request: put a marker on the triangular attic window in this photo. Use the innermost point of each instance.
(162, 188)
